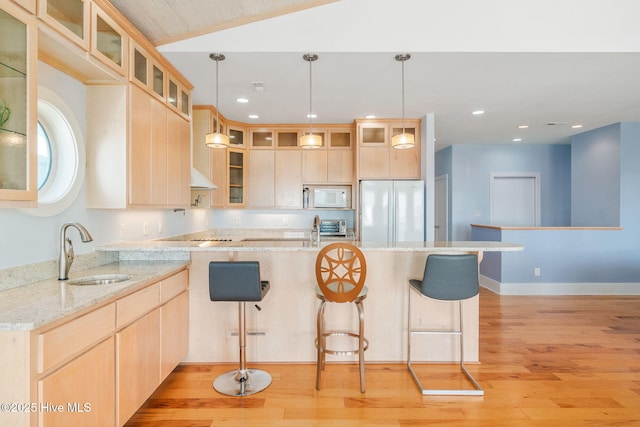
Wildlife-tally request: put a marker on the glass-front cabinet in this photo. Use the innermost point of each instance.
(69, 18)
(18, 178)
(108, 41)
(237, 179)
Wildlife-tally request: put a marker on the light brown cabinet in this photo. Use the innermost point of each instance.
(262, 169)
(288, 179)
(376, 157)
(236, 177)
(108, 41)
(333, 164)
(18, 107)
(70, 18)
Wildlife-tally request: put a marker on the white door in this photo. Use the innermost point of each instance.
(515, 200)
(441, 208)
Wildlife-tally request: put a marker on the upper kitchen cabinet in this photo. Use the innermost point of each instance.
(69, 18)
(108, 40)
(28, 5)
(18, 107)
(375, 156)
(261, 139)
(236, 134)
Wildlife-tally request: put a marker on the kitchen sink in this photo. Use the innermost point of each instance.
(103, 279)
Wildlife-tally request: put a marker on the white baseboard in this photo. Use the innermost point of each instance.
(559, 288)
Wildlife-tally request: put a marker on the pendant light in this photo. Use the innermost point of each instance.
(216, 139)
(404, 140)
(310, 140)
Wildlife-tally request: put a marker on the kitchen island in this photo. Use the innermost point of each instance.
(284, 329)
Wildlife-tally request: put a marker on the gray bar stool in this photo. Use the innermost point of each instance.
(341, 271)
(447, 278)
(239, 281)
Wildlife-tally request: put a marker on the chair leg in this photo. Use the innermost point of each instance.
(361, 345)
(320, 343)
(477, 391)
(243, 381)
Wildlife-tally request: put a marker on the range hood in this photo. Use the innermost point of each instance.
(200, 182)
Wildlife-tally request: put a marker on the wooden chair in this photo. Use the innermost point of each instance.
(341, 270)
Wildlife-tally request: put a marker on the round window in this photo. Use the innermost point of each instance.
(61, 156)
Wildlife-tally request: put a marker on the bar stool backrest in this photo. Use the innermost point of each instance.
(235, 281)
(341, 270)
(451, 277)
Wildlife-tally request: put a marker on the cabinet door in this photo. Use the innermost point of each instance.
(288, 179)
(373, 162)
(174, 333)
(139, 163)
(137, 364)
(218, 175)
(179, 164)
(108, 40)
(236, 177)
(18, 113)
(85, 387)
(159, 153)
(70, 18)
(314, 166)
(340, 166)
(261, 178)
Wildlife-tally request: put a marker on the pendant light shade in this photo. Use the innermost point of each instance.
(404, 140)
(309, 140)
(217, 139)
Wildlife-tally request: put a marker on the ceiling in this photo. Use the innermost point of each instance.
(522, 66)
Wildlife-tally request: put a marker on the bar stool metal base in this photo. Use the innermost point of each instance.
(242, 382)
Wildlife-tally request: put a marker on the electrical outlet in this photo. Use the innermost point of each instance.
(123, 230)
(237, 220)
(160, 229)
(536, 271)
(145, 228)
(285, 221)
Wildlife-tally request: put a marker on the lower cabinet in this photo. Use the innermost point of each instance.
(82, 392)
(99, 368)
(137, 364)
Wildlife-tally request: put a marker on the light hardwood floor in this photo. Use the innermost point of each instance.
(545, 361)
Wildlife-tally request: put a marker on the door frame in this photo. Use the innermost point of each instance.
(445, 180)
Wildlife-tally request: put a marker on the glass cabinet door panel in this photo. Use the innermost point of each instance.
(140, 66)
(262, 139)
(236, 137)
(69, 13)
(340, 139)
(13, 103)
(184, 104)
(158, 81)
(108, 41)
(373, 135)
(173, 93)
(398, 131)
(287, 139)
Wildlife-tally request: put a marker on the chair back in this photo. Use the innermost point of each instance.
(451, 277)
(341, 270)
(236, 281)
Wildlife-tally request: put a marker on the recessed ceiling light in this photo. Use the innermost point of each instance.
(523, 127)
(478, 112)
(370, 116)
(556, 123)
(242, 100)
(517, 139)
(254, 116)
(576, 126)
(312, 116)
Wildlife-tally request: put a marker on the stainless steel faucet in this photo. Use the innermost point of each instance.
(65, 258)
(316, 229)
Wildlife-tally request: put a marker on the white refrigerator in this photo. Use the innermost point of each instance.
(392, 211)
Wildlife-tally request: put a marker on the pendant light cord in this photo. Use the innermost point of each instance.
(217, 129)
(310, 98)
(403, 129)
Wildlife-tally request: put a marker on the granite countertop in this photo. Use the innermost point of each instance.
(210, 240)
(36, 304)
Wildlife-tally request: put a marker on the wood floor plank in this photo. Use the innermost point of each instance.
(545, 362)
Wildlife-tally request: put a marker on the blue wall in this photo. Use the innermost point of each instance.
(595, 177)
(470, 166)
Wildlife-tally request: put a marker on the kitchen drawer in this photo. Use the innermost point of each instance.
(137, 304)
(69, 339)
(172, 286)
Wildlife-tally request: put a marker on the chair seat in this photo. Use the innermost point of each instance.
(362, 295)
